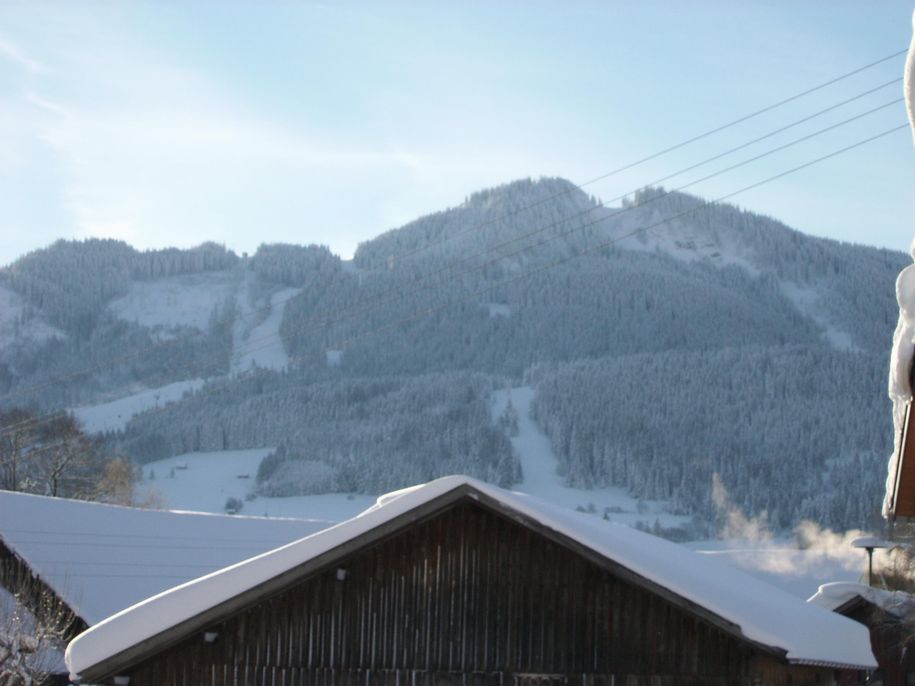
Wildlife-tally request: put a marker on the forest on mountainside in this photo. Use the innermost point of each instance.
(668, 340)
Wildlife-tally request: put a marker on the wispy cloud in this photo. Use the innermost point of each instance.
(15, 54)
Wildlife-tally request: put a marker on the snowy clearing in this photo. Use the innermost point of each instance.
(498, 309)
(540, 477)
(186, 300)
(114, 415)
(13, 329)
(203, 482)
(261, 345)
(806, 300)
(681, 240)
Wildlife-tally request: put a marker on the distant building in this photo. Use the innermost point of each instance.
(459, 582)
(90, 560)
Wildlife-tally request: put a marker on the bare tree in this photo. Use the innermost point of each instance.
(35, 626)
(67, 460)
(17, 437)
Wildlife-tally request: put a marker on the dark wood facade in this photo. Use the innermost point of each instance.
(467, 596)
(891, 641)
(902, 504)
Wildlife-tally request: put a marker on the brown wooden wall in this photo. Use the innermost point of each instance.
(468, 597)
(890, 641)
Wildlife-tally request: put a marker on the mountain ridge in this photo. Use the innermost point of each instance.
(532, 280)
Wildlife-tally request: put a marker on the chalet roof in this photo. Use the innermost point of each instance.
(762, 613)
(100, 559)
(835, 595)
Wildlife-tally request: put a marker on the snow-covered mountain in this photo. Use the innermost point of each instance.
(665, 341)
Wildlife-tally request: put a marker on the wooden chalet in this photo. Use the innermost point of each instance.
(889, 616)
(459, 582)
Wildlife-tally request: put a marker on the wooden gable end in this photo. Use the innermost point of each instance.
(903, 496)
(466, 596)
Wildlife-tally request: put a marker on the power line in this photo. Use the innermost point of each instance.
(695, 139)
(381, 298)
(599, 246)
(701, 136)
(400, 295)
(607, 244)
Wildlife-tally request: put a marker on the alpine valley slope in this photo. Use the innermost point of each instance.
(718, 342)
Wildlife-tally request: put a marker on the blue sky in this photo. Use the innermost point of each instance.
(172, 123)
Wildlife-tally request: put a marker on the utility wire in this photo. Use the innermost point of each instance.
(449, 272)
(451, 275)
(563, 260)
(573, 188)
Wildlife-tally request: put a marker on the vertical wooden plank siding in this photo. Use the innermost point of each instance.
(466, 597)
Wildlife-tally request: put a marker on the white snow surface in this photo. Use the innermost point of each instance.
(12, 326)
(102, 558)
(114, 415)
(900, 391)
(764, 614)
(186, 300)
(204, 481)
(836, 594)
(908, 86)
(498, 309)
(806, 300)
(681, 240)
(260, 345)
(540, 472)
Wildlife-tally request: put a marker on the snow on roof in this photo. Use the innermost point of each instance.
(102, 558)
(836, 594)
(769, 616)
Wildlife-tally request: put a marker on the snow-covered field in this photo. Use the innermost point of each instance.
(540, 477)
(114, 415)
(186, 300)
(203, 482)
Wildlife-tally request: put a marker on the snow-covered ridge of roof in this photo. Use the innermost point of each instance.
(764, 614)
(834, 595)
(103, 558)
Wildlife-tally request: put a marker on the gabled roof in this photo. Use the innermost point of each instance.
(100, 559)
(760, 613)
(839, 595)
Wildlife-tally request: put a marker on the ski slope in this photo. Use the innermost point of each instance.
(261, 345)
(205, 481)
(114, 415)
(540, 472)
